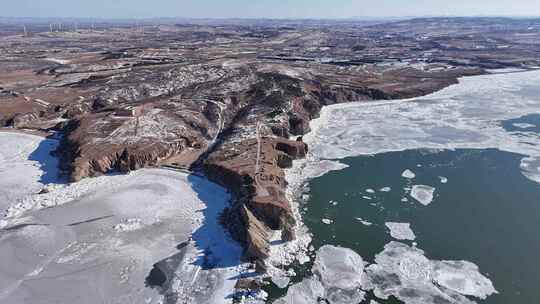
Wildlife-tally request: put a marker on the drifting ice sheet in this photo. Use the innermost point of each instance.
(401, 231)
(338, 276)
(408, 174)
(423, 194)
(404, 272)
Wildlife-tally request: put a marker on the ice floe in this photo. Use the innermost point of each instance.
(408, 174)
(370, 190)
(399, 270)
(401, 231)
(281, 281)
(462, 277)
(385, 189)
(327, 221)
(338, 276)
(364, 222)
(321, 167)
(306, 292)
(404, 272)
(423, 194)
(338, 267)
(443, 179)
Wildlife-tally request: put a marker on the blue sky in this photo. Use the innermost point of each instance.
(263, 8)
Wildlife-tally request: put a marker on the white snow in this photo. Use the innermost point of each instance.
(401, 231)
(59, 61)
(129, 225)
(443, 179)
(370, 190)
(26, 166)
(408, 174)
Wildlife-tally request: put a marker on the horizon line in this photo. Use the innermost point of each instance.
(282, 18)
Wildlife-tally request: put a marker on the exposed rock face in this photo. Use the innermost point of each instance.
(134, 137)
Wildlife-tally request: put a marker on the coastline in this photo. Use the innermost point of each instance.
(297, 180)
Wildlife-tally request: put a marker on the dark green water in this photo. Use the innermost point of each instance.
(488, 213)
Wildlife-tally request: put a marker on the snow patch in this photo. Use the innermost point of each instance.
(129, 225)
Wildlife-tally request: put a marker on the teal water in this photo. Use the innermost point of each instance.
(487, 213)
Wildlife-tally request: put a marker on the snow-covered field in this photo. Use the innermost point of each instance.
(96, 241)
(23, 161)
